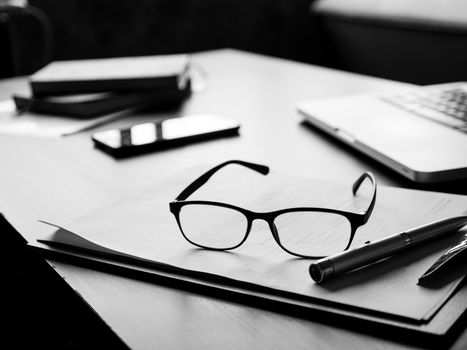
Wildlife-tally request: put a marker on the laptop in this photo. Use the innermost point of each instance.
(420, 132)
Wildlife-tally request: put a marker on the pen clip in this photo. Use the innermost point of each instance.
(451, 253)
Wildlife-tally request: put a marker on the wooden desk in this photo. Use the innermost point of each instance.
(61, 179)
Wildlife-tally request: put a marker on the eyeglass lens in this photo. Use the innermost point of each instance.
(311, 233)
(213, 226)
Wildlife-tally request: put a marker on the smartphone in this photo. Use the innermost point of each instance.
(147, 137)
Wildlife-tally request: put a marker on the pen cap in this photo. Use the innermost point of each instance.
(348, 260)
(321, 270)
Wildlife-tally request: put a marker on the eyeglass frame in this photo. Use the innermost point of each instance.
(355, 219)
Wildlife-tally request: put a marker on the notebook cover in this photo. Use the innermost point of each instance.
(93, 105)
(111, 74)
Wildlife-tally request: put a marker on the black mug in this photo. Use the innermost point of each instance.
(25, 38)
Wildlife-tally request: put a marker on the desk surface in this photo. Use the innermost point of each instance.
(62, 179)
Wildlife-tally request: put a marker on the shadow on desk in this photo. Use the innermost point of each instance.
(39, 308)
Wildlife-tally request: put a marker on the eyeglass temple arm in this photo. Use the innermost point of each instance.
(356, 186)
(200, 181)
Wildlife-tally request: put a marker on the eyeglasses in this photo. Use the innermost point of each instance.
(306, 232)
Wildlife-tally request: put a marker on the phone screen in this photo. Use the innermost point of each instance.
(166, 132)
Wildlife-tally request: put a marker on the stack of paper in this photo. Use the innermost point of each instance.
(141, 228)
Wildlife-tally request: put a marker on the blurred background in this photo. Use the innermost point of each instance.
(417, 41)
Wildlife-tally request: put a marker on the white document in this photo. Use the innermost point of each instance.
(38, 125)
(142, 227)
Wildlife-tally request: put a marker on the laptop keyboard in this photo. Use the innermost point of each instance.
(444, 104)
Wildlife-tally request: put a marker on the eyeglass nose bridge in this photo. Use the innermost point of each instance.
(269, 218)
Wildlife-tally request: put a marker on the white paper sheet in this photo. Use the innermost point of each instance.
(38, 125)
(142, 226)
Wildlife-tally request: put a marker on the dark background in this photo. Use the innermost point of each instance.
(408, 43)
(107, 28)
(111, 28)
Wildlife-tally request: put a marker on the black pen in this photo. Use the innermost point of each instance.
(325, 268)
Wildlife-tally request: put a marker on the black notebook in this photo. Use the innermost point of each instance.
(111, 74)
(93, 105)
